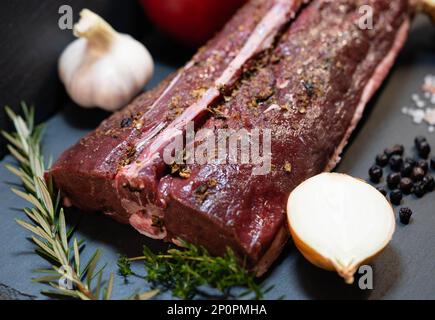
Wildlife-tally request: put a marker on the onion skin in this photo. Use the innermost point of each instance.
(320, 261)
(310, 254)
(346, 272)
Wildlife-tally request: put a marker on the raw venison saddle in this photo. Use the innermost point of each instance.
(303, 70)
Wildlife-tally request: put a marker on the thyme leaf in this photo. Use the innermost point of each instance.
(124, 267)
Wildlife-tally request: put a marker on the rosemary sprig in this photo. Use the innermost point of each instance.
(184, 271)
(68, 275)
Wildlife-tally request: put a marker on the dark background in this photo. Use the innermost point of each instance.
(31, 42)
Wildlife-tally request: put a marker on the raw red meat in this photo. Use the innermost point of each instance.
(306, 80)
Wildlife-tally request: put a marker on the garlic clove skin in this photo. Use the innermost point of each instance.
(103, 68)
(427, 6)
(339, 222)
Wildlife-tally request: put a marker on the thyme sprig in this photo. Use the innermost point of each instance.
(185, 271)
(68, 275)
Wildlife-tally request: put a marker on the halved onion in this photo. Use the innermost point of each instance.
(339, 222)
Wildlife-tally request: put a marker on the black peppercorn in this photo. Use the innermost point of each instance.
(419, 140)
(423, 164)
(394, 150)
(397, 149)
(411, 161)
(393, 180)
(419, 189)
(406, 185)
(405, 215)
(126, 122)
(396, 197)
(382, 159)
(423, 150)
(429, 183)
(396, 162)
(432, 163)
(388, 152)
(417, 174)
(406, 169)
(382, 190)
(375, 173)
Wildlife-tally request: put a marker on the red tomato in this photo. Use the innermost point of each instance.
(192, 22)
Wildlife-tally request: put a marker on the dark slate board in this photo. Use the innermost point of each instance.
(31, 41)
(404, 271)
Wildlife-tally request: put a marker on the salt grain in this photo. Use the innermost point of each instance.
(429, 83)
(425, 110)
(420, 104)
(418, 115)
(429, 116)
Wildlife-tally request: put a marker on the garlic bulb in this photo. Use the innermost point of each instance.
(428, 6)
(103, 68)
(339, 222)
